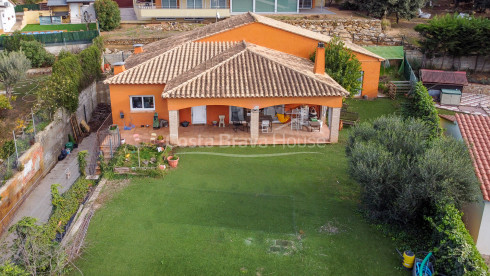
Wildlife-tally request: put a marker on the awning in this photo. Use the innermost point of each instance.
(387, 52)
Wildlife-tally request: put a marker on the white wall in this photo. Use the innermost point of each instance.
(75, 16)
(7, 17)
(483, 243)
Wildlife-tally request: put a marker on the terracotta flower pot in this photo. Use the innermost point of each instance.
(173, 163)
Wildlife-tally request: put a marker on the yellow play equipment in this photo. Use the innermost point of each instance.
(283, 118)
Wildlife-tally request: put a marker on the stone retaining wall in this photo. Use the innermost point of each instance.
(361, 31)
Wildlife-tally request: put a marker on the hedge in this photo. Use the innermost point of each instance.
(31, 7)
(58, 37)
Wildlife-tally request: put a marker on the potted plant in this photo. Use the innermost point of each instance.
(173, 161)
(160, 140)
(113, 129)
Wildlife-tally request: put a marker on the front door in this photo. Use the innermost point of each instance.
(198, 114)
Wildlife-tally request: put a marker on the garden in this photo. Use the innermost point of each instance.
(245, 210)
(60, 27)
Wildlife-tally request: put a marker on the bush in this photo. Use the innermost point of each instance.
(91, 65)
(455, 36)
(403, 175)
(420, 105)
(12, 42)
(36, 53)
(10, 269)
(59, 90)
(7, 149)
(455, 251)
(108, 14)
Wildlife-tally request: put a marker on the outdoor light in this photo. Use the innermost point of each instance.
(256, 108)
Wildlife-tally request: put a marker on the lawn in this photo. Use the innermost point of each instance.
(60, 27)
(291, 211)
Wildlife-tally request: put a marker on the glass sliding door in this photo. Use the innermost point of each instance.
(287, 5)
(194, 4)
(242, 6)
(305, 4)
(264, 6)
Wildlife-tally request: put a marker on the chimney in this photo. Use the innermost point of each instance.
(320, 59)
(119, 67)
(138, 48)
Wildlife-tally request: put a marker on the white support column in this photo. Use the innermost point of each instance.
(323, 114)
(254, 124)
(173, 123)
(334, 122)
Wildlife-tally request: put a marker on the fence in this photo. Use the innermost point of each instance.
(31, 7)
(63, 37)
(106, 144)
(408, 72)
(22, 139)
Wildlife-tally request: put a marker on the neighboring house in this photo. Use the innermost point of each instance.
(7, 16)
(245, 64)
(202, 9)
(475, 131)
(73, 11)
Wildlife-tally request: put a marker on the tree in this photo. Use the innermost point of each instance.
(404, 175)
(60, 90)
(420, 105)
(13, 68)
(407, 9)
(108, 14)
(10, 269)
(342, 65)
(36, 53)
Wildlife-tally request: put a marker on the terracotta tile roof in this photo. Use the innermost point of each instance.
(475, 130)
(451, 118)
(248, 71)
(443, 77)
(164, 67)
(158, 47)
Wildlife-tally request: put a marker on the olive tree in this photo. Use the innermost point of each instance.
(13, 68)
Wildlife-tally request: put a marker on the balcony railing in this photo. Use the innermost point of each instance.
(148, 5)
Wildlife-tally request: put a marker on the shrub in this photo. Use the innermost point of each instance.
(12, 42)
(455, 251)
(7, 149)
(91, 65)
(420, 105)
(455, 36)
(36, 53)
(82, 162)
(403, 175)
(4, 102)
(108, 14)
(69, 66)
(10, 269)
(59, 91)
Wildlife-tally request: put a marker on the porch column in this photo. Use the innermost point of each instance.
(254, 124)
(173, 123)
(323, 114)
(333, 123)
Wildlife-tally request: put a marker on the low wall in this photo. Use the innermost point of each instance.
(472, 63)
(362, 31)
(42, 156)
(74, 48)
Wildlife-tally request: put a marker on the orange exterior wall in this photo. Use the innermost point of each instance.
(212, 113)
(120, 94)
(297, 45)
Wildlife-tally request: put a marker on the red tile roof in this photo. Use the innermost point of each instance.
(475, 130)
(443, 77)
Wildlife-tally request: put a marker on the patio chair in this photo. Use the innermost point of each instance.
(266, 126)
(153, 138)
(221, 120)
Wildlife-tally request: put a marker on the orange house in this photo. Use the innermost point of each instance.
(244, 68)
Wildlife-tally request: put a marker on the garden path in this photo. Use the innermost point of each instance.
(37, 204)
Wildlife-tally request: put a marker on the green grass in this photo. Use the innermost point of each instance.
(224, 215)
(61, 27)
(370, 110)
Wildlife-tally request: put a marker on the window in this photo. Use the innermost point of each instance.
(194, 4)
(287, 5)
(361, 80)
(218, 4)
(142, 103)
(264, 6)
(169, 4)
(242, 6)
